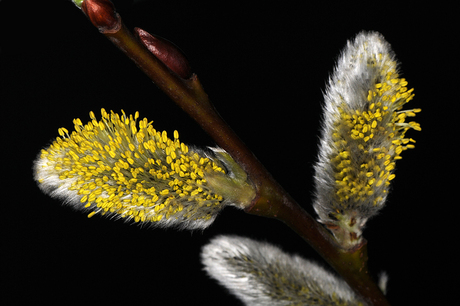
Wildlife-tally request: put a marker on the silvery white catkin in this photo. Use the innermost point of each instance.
(363, 134)
(260, 274)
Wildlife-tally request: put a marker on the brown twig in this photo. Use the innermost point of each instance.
(166, 71)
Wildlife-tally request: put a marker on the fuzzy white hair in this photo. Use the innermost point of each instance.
(262, 274)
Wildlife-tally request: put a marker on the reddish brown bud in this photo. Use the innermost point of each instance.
(167, 52)
(102, 15)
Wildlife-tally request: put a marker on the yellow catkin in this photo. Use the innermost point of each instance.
(383, 119)
(117, 165)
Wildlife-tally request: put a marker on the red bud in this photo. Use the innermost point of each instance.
(167, 52)
(102, 15)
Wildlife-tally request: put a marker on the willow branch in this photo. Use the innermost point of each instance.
(272, 200)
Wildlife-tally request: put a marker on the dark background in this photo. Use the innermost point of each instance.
(265, 67)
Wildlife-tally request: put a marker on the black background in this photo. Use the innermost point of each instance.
(264, 65)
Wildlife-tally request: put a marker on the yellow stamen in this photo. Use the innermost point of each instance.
(116, 165)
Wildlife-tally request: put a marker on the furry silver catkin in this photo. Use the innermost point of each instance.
(363, 134)
(261, 274)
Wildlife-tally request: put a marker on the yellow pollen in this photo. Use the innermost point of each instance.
(117, 165)
(373, 139)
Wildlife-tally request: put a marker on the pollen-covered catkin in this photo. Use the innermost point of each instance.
(125, 168)
(363, 133)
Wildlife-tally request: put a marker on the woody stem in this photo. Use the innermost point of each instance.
(271, 200)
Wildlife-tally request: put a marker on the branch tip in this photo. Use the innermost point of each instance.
(102, 15)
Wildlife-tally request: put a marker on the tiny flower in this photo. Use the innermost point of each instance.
(261, 274)
(364, 134)
(120, 167)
